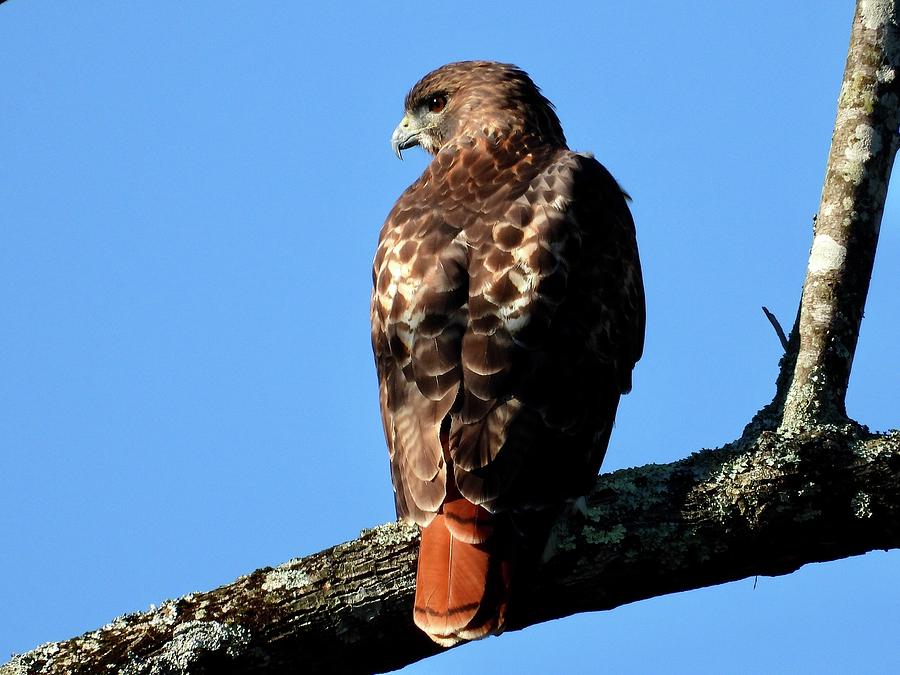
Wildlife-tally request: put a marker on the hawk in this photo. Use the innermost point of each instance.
(507, 316)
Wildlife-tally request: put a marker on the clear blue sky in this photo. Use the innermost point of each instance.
(190, 199)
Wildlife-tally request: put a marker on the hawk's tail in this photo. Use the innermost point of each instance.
(462, 583)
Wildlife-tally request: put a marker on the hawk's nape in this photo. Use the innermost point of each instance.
(507, 316)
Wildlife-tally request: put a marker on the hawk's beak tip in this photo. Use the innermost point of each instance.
(404, 136)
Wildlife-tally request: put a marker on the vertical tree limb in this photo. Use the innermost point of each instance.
(840, 264)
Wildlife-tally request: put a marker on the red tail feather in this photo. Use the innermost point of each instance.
(462, 584)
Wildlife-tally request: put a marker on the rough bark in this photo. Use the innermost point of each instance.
(803, 484)
(762, 507)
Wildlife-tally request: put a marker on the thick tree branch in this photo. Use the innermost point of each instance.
(804, 483)
(761, 508)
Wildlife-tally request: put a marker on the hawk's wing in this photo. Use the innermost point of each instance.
(507, 315)
(418, 316)
(556, 325)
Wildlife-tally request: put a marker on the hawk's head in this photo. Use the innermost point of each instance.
(475, 98)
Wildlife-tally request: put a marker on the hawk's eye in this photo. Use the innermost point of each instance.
(436, 103)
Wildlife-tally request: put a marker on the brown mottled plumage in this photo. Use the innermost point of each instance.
(507, 315)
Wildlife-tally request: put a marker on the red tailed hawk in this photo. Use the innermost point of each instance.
(507, 315)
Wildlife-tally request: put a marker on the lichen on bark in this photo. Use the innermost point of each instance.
(862, 153)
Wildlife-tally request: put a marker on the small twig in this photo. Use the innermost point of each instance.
(776, 326)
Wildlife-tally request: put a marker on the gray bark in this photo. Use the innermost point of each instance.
(803, 484)
(862, 153)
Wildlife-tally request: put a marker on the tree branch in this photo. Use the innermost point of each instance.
(803, 484)
(863, 146)
(747, 509)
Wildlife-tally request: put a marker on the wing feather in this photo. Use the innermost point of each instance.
(511, 319)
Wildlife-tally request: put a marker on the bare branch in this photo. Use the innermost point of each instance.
(763, 508)
(862, 153)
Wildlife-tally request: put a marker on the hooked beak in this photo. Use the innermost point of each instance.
(406, 135)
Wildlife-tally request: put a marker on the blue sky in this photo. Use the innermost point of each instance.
(190, 201)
